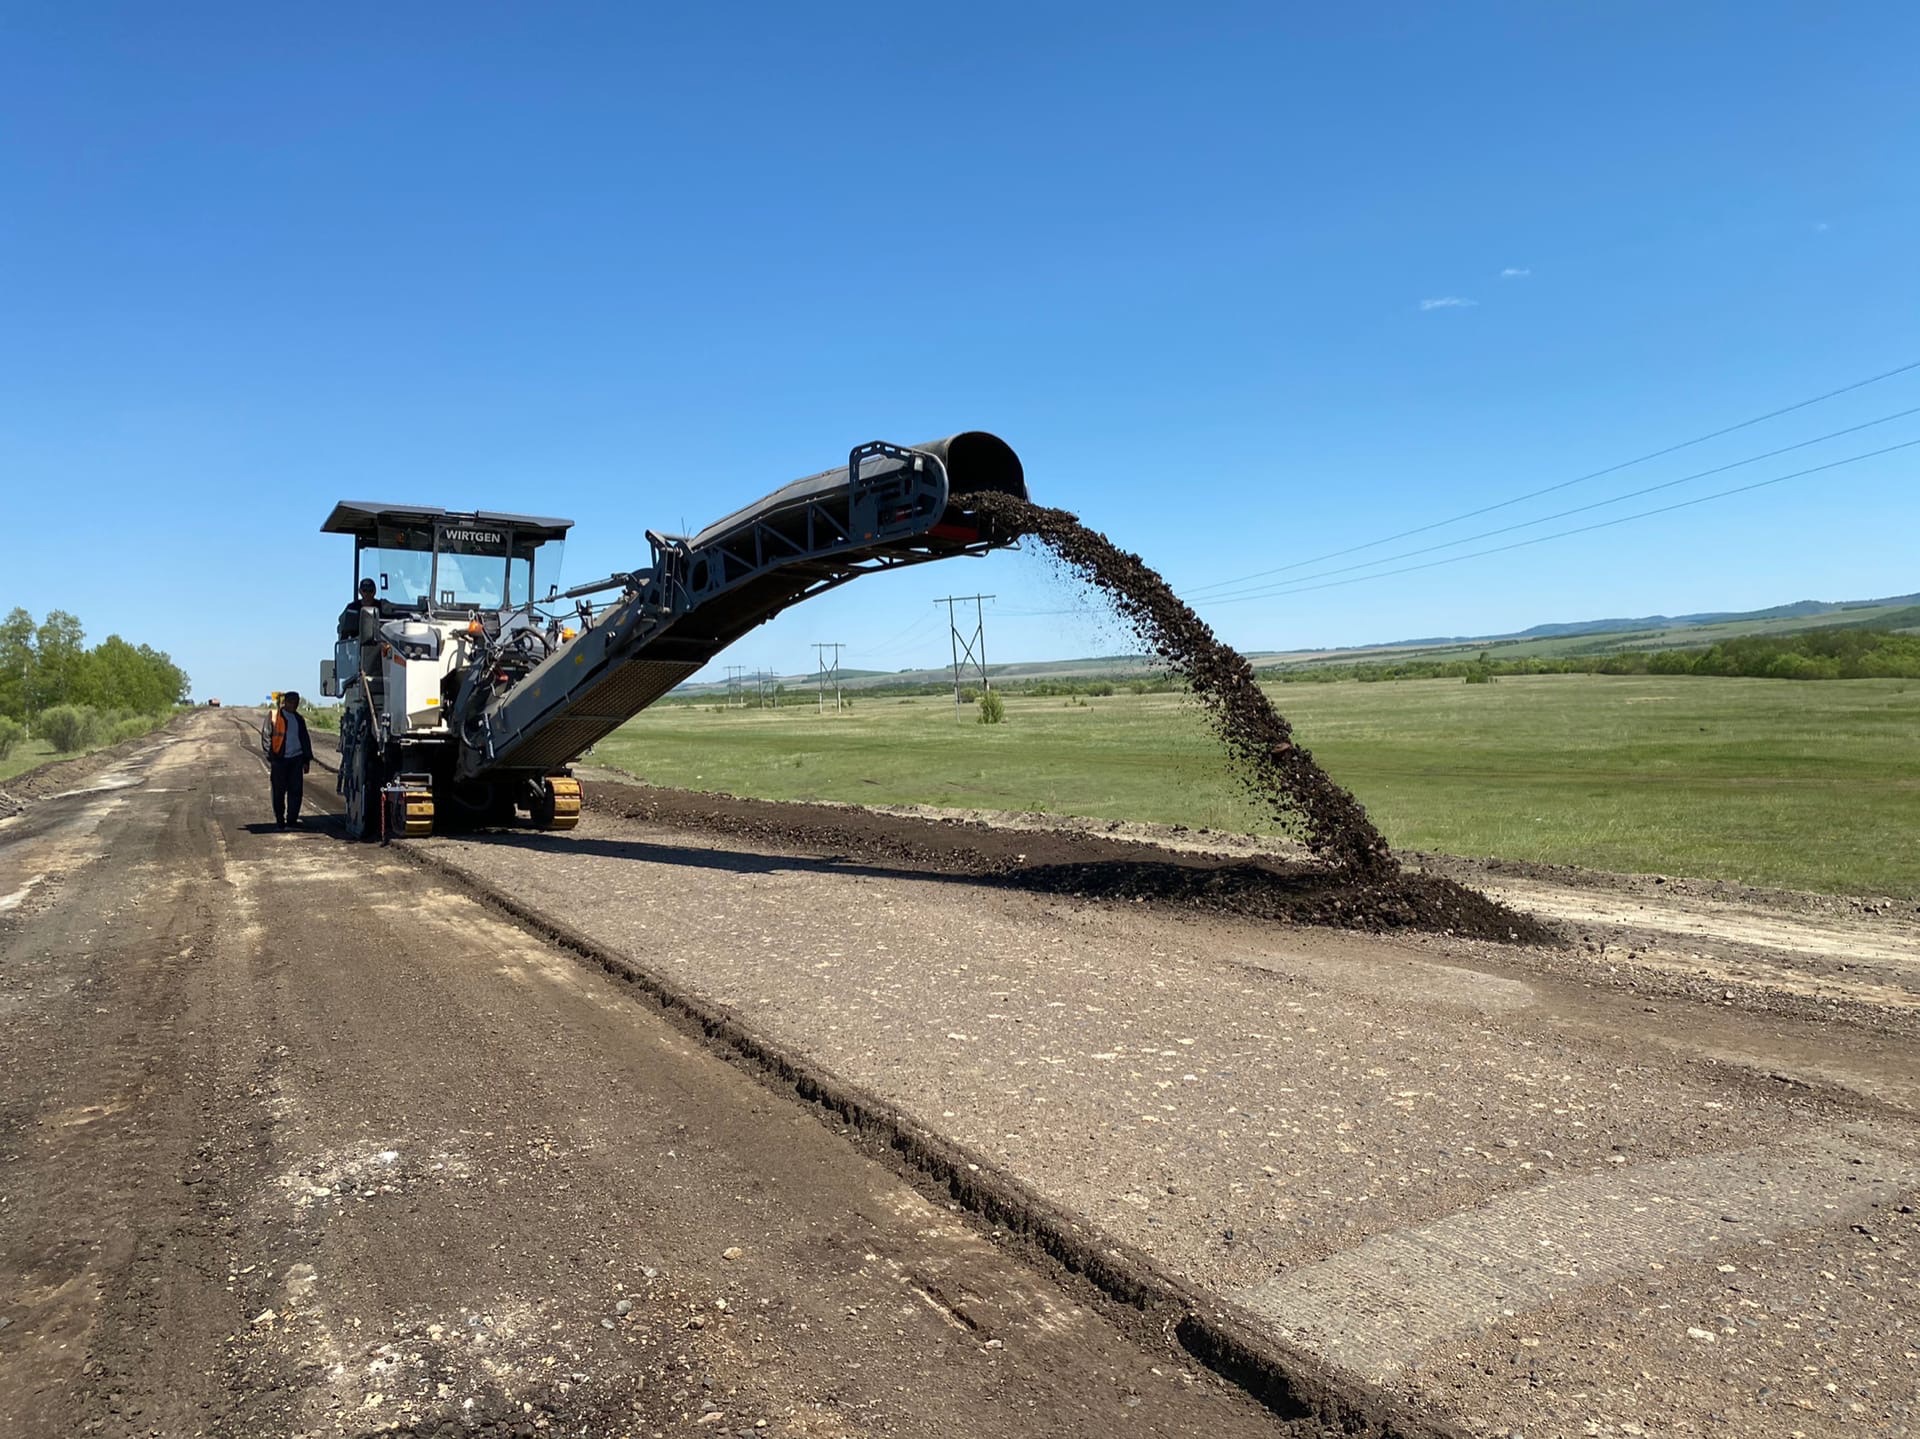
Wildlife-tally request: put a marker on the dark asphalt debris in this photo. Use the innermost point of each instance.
(1277, 773)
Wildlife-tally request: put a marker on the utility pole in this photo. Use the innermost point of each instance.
(828, 673)
(736, 694)
(969, 650)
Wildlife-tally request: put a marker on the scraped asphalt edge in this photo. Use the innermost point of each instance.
(1125, 1285)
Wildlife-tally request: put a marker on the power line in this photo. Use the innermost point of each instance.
(1303, 588)
(901, 639)
(1564, 484)
(1284, 585)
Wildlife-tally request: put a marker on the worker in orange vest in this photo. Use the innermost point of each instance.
(289, 756)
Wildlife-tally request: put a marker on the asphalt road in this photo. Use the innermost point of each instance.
(298, 1138)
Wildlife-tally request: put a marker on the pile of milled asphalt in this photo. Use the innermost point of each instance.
(1361, 884)
(1075, 865)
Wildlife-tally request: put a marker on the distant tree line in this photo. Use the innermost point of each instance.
(1839, 653)
(52, 683)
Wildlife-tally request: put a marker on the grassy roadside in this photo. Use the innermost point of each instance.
(28, 754)
(33, 753)
(1765, 781)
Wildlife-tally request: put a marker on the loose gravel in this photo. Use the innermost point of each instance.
(1277, 773)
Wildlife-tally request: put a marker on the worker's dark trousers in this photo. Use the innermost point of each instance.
(289, 781)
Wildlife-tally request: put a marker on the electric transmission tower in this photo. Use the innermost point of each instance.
(969, 650)
(829, 674)
(736, 692)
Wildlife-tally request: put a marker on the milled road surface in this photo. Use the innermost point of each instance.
(297, 1138)
(289, 1125)
(1639, 1182)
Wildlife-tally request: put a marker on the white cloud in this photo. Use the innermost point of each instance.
(1448, 302)
(1515, 272)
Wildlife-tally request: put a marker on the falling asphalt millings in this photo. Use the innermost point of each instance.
(1278, 774)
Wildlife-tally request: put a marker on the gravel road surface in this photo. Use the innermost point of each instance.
(297, 1138)
(1590, 1188)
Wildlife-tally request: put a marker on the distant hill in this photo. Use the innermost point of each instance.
(1799, 609)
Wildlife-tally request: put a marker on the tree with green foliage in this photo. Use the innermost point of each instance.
(16, 662)
(170, 678)
(46, 665)
(117, 675)
(58, 646)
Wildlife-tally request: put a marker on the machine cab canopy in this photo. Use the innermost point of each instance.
(437, 561)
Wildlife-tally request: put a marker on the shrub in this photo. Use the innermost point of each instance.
(128, 727)
(969, 695)
(70, 727)
(11, 733)
(993, 709)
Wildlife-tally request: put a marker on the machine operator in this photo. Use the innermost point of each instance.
(369, 597)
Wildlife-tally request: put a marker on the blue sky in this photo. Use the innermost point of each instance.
(637, 264)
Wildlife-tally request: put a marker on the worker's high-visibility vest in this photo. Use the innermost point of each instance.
(278, 743)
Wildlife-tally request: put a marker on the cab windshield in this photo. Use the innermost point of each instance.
(460, 566)
(536, 570)
(403, 576)
(467, 582)
(486, 568)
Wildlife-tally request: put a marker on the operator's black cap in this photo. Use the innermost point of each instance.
(367, 585)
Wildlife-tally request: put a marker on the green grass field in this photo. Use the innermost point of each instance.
(1806, 785)
(32, 753)
(24, 756)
